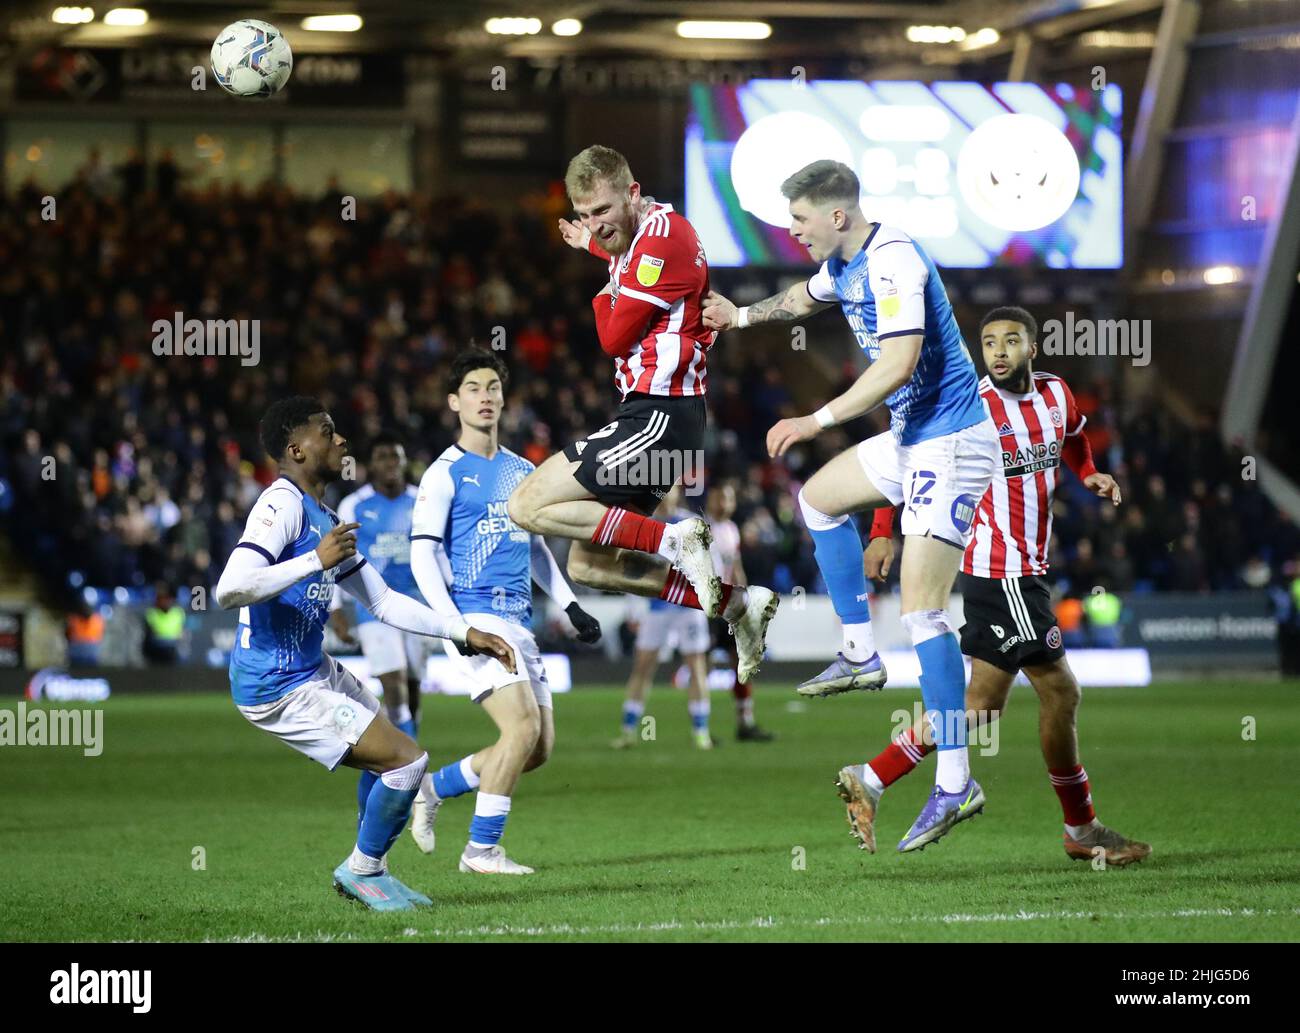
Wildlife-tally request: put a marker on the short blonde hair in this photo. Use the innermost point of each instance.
(595, 165)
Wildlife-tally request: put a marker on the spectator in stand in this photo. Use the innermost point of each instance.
(164, 629)
(85, 634)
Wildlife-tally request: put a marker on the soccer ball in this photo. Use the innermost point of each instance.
(251, 58)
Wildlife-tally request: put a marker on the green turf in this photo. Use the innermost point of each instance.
(663, 842)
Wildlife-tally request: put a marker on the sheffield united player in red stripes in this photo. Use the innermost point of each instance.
(1009, 621)
(601, 490)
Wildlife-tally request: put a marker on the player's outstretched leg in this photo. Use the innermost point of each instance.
(1085, 837)
(841, 487)
(400, 765)
(551, 501)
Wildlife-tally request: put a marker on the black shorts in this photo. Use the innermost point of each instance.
(1009, 622)
(653, 442)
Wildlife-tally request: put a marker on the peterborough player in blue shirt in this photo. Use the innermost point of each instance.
(462, 539)
(938, 457)
(282, 575)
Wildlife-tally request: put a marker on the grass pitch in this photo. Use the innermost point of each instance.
(662, 842)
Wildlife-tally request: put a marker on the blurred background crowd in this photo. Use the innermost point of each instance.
(123, 468)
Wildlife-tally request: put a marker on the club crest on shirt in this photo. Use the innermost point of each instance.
(648, 270)
(1054, 414)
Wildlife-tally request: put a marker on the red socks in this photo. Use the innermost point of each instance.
(624, 529)
(1071, 785)
(898, 758)
(678, 590)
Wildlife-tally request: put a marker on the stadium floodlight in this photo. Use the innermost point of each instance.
(723, 30)
(567, 27)
(72, 15)
(984, 38)
(332, 22)
(126, 16)
(936, 33)
(1217, 275)
(513, 26)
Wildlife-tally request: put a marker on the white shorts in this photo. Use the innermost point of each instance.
(322, 718)
(940, 481)
(391, 649)
(686, 630)
(486, 674)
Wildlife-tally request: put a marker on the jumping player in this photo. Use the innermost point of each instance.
(1009, 625)
(937, 457)
(281, 575)
(601, 489)
(462, 537)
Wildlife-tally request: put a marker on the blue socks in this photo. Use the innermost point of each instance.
(632, 712)
(385, 816)
(456, 779)
(943, 688)
(411, 726)
(838, 551)
(489, 821)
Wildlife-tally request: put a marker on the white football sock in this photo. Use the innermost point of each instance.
(364, 864)
(671, 542)
(859, 642)
(871, 780)
(467, 772)
(953, 770)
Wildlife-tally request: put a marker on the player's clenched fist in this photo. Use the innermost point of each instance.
(790, 432)
(718, 313)
(493, 645)
(338, 545)
(877, 558)
(575, 234)
(1103, 485)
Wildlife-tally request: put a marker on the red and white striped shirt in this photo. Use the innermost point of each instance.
(652, 323)
(1013, 523)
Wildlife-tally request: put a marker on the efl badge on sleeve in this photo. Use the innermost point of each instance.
(648, 270)
(889, 304)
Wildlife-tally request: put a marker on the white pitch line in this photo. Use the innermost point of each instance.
(769, 922)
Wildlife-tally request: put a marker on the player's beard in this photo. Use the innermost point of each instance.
(1015, 380)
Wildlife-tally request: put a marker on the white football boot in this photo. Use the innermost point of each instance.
(696, 564)
(494, 862)
(750, 630)
(424, 816)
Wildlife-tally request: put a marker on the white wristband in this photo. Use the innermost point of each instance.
(824, 418)
(458, 632)
(742, 317)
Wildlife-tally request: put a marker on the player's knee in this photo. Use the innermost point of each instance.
(924, 625)
(1058, 689)
(521, 507)
(814, 519)
(541, 753)
(580, 567)
(408, 773)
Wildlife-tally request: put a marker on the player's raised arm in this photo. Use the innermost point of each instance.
(252, 574)
(894, 368)
(550, 579)
(795, 302)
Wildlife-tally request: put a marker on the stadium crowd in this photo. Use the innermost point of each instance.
(122, 467)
